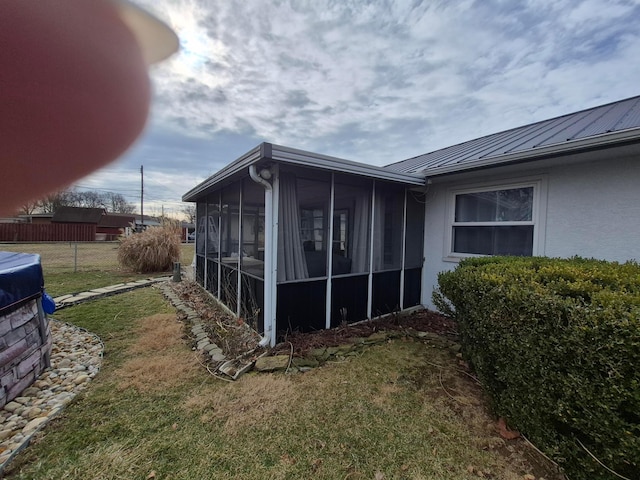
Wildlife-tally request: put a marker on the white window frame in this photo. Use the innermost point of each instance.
(538, 214)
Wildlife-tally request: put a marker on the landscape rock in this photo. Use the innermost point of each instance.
(76, 357)
(305, 363)
(272, 364)
(34, 424)
(378, 337)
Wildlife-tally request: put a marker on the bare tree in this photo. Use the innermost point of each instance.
(29, 208)
(89, 199)
(110, 201)
(190, 212)
(116, 203)
(51, 202)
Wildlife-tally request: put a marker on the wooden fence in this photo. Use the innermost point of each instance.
(54, 232)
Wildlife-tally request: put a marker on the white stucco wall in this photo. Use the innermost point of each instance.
(592, 210)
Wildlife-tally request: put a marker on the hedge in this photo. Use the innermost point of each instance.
(556, 344)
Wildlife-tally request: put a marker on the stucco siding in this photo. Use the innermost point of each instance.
(434, 233)
(593, 210)
(588, 209)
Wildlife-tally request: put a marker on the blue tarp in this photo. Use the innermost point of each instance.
(20, 277)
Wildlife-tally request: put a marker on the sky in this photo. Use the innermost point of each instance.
(365, 80)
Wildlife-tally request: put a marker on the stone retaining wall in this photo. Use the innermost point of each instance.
(25, 349)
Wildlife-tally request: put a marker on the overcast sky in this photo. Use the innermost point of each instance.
(371, 81)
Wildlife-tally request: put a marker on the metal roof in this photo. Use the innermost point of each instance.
(77, 215)
(278, 153)
(613, 123)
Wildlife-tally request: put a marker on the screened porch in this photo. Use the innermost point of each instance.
(288, 247)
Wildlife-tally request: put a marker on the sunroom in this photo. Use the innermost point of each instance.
(290, 240)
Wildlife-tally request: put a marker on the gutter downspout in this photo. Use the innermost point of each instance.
(268, 257)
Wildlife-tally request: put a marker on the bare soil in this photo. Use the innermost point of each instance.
(420, 321)
(232, 333)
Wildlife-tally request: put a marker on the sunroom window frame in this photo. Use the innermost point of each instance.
(538, 213)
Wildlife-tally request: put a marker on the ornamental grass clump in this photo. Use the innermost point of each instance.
(153, 250)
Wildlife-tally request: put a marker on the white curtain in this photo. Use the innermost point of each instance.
(361, 225)
(378, 232)
(292, 264)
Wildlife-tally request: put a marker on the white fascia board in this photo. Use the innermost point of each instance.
(314, 160)
(278, 153)
(599, 141)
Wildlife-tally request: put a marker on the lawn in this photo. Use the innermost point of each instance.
(399, 410)
(76, 267)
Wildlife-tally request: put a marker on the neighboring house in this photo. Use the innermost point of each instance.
(77, 215)
(37, 218)
(146, 221)
(114, 225)
(269, 222)
(108, 226)
(188, 232)
(11, 220)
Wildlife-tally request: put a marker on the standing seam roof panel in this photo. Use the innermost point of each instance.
(584, 126)
(530, 136)
(631, 118)
(612, 117)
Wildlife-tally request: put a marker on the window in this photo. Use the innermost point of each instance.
(312, 228)
(494, 221)
(340, 228)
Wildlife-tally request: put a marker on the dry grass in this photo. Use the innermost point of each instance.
(153, 250)
(161, 360)
(247, 403)
(85, 256)
(63, 255)
(114, 461)
(398, 410)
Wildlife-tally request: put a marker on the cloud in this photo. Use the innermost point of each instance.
(377, 81)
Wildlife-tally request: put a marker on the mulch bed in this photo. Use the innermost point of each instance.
(421, 321)
(303, 343)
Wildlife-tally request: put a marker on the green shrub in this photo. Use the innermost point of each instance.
(556, 343)
(153, 250)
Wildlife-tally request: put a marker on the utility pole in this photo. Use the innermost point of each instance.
(142, 196)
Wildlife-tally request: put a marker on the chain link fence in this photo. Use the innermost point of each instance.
(80, 256)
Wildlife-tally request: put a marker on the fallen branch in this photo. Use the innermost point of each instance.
(596, 459)
(540, 452)
(290, 358)
(458, 370)
(446, 391)
(208, 368)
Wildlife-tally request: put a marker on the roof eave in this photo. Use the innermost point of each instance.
(564, 148)
(325, 162)
(279, 153)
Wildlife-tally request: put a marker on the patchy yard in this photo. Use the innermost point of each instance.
(403, 409)
(96, 264)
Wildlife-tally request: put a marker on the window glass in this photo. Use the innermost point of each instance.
(507, 215)
(494, 240)
(510, 205)
(351, 225)
(230, 213)
(340, 226)
(415, 231)
(201, 227)
(253, 228)
(213, 216)
(387, 227)
(313, 197)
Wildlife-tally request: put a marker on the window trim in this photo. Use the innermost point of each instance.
(538, 214)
